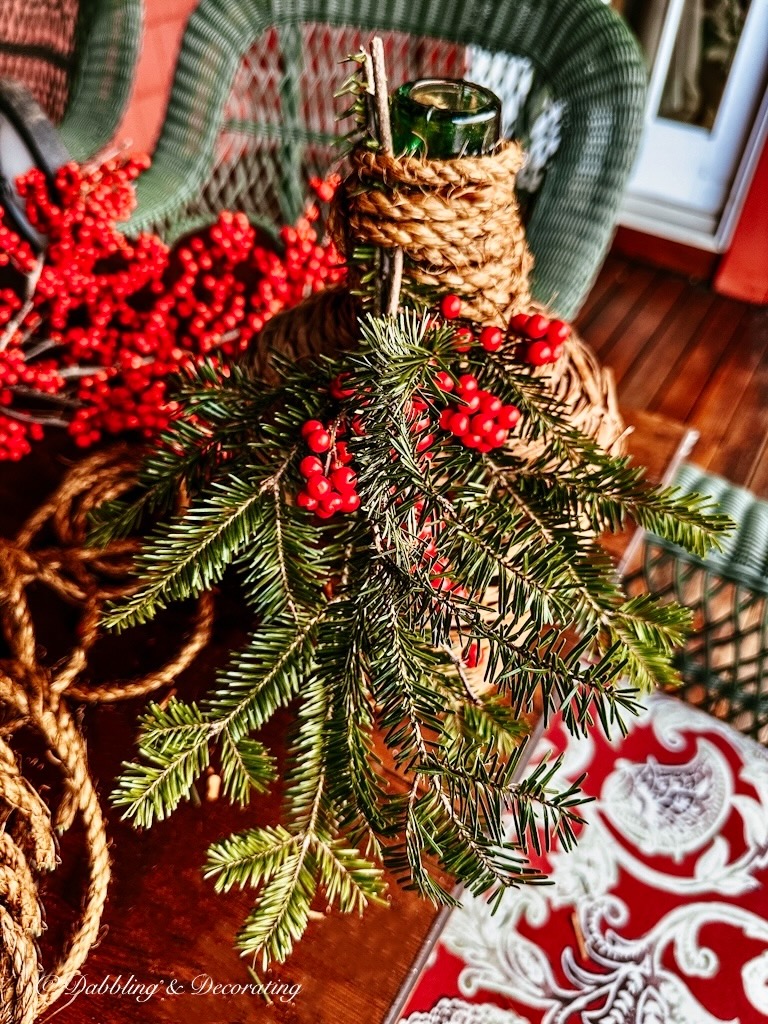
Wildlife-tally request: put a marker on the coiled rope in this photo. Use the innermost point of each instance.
(35, 695)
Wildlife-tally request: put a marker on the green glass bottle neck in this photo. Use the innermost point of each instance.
(444, 118)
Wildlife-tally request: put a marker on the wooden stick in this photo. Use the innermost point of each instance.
(381, 97)
(373, 131)
(370, 99)
(381, 94)
(27, 417)
(29, 298)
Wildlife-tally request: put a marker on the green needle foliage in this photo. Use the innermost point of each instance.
(356, 629)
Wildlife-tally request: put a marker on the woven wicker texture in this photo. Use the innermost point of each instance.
(252, 114)
(37, 46)
(77, 57)
(725, 662)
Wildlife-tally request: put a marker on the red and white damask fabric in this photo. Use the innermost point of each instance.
(668, 888)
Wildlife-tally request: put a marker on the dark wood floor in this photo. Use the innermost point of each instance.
(680, 350)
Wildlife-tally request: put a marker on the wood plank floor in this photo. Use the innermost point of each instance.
(680, 350)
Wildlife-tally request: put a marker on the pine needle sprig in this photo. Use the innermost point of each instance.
(369, 638)
(191, 554)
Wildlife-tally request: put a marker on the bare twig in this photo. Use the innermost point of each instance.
(73, 372)
(108, 153)
(381, 94)
(462, 671)
(395, 281)
(42, 346)
(381, 99)
(45, 396)
(29, 297)
(27, 417)
(370, 99)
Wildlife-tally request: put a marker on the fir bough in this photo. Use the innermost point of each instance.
(353, 628)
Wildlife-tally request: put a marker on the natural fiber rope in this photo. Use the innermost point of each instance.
(31, 694)
(25, 844)
(457, 222)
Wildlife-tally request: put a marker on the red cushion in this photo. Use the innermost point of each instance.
(660, 914)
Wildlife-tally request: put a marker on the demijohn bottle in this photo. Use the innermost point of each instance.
(443, 118)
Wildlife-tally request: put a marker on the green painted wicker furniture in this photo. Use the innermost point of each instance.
(77, 57)
(725, 662)
(251, 115)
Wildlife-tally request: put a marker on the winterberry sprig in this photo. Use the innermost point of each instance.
(540, 338)
(478, 418)
(331, 485)
(543, 338)
(91, 332)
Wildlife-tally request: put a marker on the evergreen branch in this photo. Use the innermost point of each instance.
(488, 723)
(282, 559)
(369, 631)
(536, 807)
(405, 859)
(527, 663)
(409, 706)
(349, 881)
(262, 677)
(224, 407)
(648, 633)
(355, 785)
(283, 576)
(281, 915)
(175, 741)
(451, 835)
(245, 767)
(191, 554)
(609, 491)
(249, 858)
(178, 756)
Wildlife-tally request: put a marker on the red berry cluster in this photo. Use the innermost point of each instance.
(420, 425)
(439, 575)
(111, 317)
(479, 419)
(544, 338)
(330, 486)
(490, 338)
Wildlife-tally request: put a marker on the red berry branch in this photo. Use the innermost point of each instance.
(91, 330)
(543, 338)
(331, 485)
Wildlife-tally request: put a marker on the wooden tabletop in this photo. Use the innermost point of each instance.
(164, 926)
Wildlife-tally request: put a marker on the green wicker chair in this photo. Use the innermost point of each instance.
(724, 665)
(251, 115)
(77, 58)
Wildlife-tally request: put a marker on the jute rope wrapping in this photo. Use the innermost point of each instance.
(36, 695)
(459, 226)
(456, 221)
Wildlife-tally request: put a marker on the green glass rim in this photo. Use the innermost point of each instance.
(488, 105)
